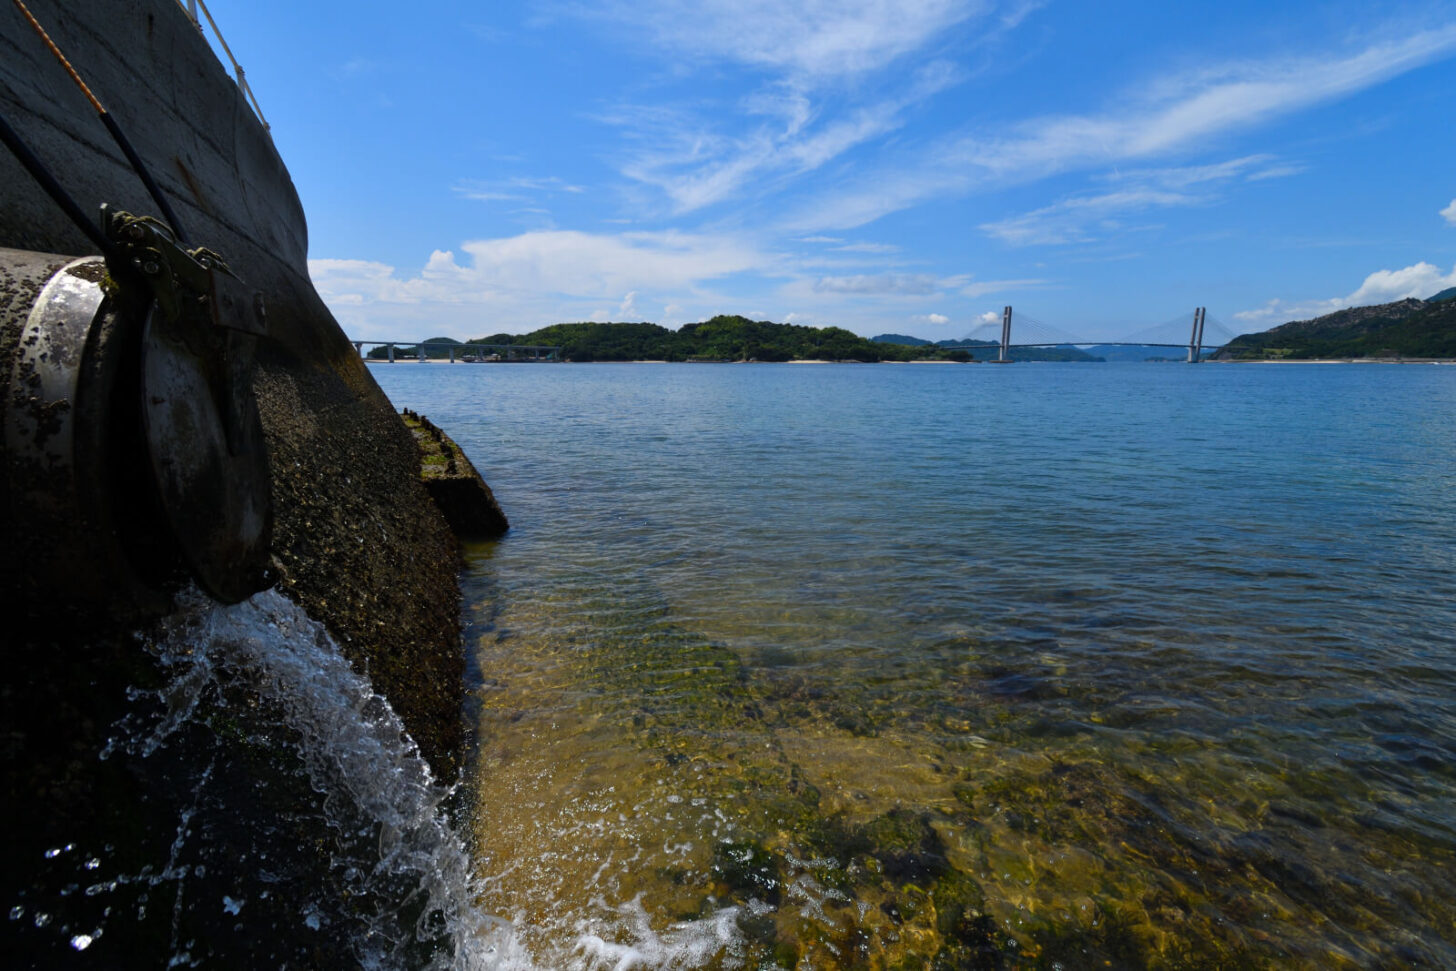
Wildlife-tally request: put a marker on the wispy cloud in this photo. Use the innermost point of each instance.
(1250, 168)
(812, 63)
(1278, 172)
(516, 188)
(867, 248)
(914, 284)
(697, 161)
(1158, 118)
(1069, 221)
(1449, 213)
(1080, 219)
(1420, 280)
(982, 288)
(810, 42)
(355, 67)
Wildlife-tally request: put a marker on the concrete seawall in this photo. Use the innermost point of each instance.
(356, 539)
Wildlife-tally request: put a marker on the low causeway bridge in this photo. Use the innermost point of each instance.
(419, 351)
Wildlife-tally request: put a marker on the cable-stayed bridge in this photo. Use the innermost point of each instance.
(1184, 331)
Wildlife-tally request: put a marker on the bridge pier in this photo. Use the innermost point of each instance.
(1005, 336)
(391, 353)
(1195, 338)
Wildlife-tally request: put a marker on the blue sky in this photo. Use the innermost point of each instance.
(881, 165)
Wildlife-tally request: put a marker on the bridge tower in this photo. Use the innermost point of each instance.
(1195, 339)
(1005, 336)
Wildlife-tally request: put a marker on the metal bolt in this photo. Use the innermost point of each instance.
(150, 268)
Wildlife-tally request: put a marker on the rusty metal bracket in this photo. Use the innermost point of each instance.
(202, 426)
(193, 286)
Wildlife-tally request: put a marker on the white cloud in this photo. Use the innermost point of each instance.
(989, 317)
(1421, 280)
(518, 283)
(627, 309)
(1160, 117)
(1383, 286)
(525, 281)
(1449, 213)
(936, 319)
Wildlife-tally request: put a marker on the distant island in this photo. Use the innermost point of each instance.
(733, 338)
(1408, 328)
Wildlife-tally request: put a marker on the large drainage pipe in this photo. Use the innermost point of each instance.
(126, 465)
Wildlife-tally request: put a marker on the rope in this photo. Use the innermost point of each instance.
(237, 68)
(56, 51)
(111, 126)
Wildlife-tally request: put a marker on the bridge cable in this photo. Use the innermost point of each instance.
(1173, 331)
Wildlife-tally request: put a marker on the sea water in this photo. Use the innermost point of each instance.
(882, 665)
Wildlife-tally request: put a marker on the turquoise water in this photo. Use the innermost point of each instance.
(875, 665)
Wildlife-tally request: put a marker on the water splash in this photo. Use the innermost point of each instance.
(269, 682)
(263, 685)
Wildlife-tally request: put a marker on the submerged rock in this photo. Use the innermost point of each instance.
(458, 490)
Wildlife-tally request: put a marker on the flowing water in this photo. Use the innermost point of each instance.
(962, 666)
(285, 818)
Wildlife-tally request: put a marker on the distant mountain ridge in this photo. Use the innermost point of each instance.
(1405, 328)
(1137, 353)
(722, 338)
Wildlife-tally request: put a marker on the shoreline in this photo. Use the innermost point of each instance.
(1348, 360)
(1336, 360)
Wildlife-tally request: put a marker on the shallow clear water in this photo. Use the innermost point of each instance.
(879, 665)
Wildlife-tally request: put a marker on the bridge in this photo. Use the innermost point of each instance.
(471, 352)
(1165, 334)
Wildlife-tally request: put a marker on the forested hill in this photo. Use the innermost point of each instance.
(724, 338)
(732, 338)
(1407, 328)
